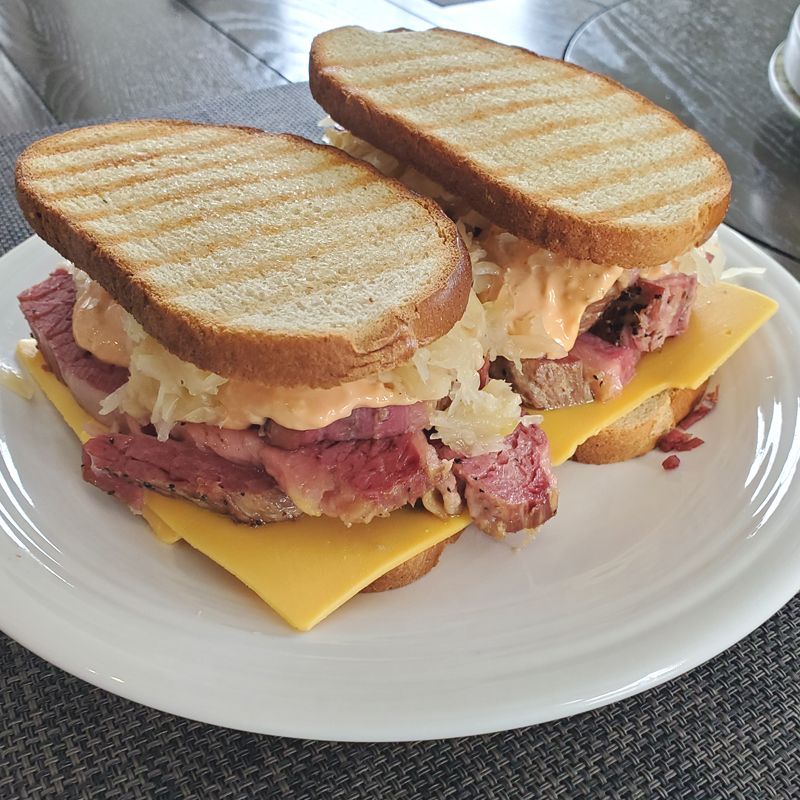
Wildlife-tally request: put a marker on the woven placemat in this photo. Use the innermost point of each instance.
(729, 729)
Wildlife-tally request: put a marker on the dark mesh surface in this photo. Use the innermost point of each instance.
(730, 729)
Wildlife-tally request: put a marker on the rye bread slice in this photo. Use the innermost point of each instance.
(547, 150)
(253, 255)
(412, 570)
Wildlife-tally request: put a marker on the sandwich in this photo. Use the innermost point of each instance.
(270, 331)
(589, 212)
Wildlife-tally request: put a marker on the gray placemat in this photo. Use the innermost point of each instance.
(729, 729)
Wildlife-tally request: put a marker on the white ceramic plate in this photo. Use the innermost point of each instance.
(643, 575)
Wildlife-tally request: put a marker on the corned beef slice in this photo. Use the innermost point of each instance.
(363, 423)
(512, 490)
(646, 314)
(244, 446)
(594, 311)
(546, 382)
(593, 370)
(114, 461)
(606, 367)
(93, 469)
(48, 309)
(355, 480)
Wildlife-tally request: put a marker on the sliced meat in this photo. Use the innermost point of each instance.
(606, 368)
(679, 440)
(48, 309)
(125, 465)
(237, 446)
(512, 490)
(129, 492)
(593, 370)
(706, 405)
(594, 311)
(545, 382)
(666, 314)
(646, 314)
(246, 446)
(356, 480)
(363, 423)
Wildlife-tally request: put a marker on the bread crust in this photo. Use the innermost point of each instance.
(638, 432)
(411, 570)
(271, 357)
(601, 241)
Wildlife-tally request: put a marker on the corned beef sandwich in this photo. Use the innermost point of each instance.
(588, 211)
(271, 329)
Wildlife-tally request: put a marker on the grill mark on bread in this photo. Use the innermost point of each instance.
(549, 127)
(133, 159)
(653, 201)
(374, 61)
(128, 135)
(148, 203)
(276, 298)
(147, 177)
(454, 69)
(152, 231)
(608, 145)
(237, 274)
(252, 304)
(431, 98)
(498, 112)
(234, 242)
(618, 177)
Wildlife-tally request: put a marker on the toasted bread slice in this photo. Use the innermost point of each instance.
(638, 431)
(257, 256)
(547, 150)
(411, 570)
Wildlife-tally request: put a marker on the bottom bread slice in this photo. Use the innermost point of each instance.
(639, 430)
(411, 570)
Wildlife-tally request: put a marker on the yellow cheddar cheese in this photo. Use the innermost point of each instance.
(303, 569)
(724, 317)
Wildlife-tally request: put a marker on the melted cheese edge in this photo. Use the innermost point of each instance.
(304, 569)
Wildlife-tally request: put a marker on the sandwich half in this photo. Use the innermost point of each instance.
(273, 331)
(589, 212)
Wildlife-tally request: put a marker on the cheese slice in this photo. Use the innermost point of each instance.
(724, 317)
(303, 569)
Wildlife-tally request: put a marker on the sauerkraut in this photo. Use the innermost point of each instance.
(477, 419)
(163, 389)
